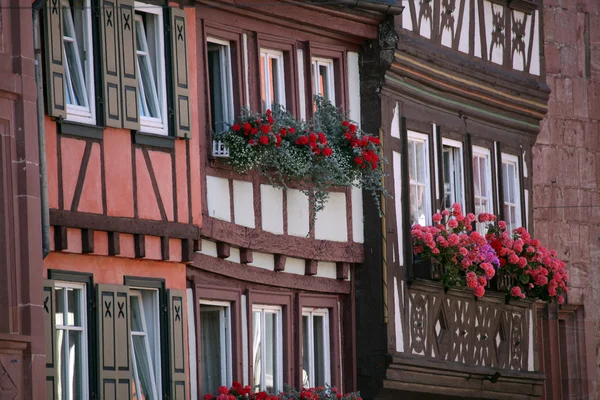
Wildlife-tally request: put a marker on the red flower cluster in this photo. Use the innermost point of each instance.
(365, 146)
(317, 143)
(261, 132)
(237, 392)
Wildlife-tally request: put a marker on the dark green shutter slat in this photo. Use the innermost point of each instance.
(50, 336)
(111, 71)
(180, 90)
(129, 75)
(177, 314)
(54, 60)
(114, 351)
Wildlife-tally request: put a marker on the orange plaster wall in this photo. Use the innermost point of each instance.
(71, 157)
(163, 172)
(195, 118)
(181, 181)
(147, 204)
(51, 161)
(91, 193)
(119, 172)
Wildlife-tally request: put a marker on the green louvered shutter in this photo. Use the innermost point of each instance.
(177, 344)
(54, 60)
(111, 55)
(129, 74)
(180, 90)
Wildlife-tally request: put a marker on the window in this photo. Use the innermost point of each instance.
(512, 191)
(316, 363)
(150, 65)
(272, 78)
(79, 87)
(267, 348)
(453, 173)
(71, 341)
(323, 78)
(221, 89)
(482, 183)
(145, 344)
(215, 338)
(418, 163)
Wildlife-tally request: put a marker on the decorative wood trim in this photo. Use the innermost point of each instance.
(60, 237)
(103, 179)
(80, 130)
(80, 220)
(159, 202)
(187, 250)
(87, 241)
(81, 177)
(197, 245)
(246, 256)
(258, 275)
(279, 264)
(223, 250)
(500, 194)
(157, 141)
(311, 267)
(405, 190)
(114, 244)
(291, 246)
(139, 245)
(164, 248)
(342, 270)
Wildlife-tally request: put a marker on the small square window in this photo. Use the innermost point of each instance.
(453, 173)
(145, 344)
(272, 78)
(215, 338)
(267, 348)
(71, 340)
(79, 68)
(316, 353)
(151, 69)
(323, 78)
(512, 191)
(220, 83)
(419, 174)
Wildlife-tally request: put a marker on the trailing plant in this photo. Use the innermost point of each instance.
(237, 392)
(470, 259)
(325, 152)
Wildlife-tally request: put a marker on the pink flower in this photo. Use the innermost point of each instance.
(522, 262)
(516, 292)
(452, 223)
(502, 225)
(560, 299)
(445, 213)
(437, 218)
(513, 259)
(479, 291)
(435, 251)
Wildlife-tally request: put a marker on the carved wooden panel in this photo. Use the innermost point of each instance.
(456, 327)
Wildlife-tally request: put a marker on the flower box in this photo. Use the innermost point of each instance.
(428, 269)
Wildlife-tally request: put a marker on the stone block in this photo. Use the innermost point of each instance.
(564, 96)
(594, 99)
(568, 164)
(580, 98)
(573, 133)
(553, 58)
(565, 26)
(549, 29)
(591, 135)
(595, 62)
(595, 30)
(587, 168)
(569, 63)
(544, 168)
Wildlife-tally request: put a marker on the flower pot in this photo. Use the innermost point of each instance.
(428, 269)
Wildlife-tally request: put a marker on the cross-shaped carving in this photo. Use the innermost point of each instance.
(126, 25)
(121, 313)
(179, 32)
(177, 316)
(55, 7)
(46, 304)
(109, 18)
(107, 312)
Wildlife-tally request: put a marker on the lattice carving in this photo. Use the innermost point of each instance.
(418, 323)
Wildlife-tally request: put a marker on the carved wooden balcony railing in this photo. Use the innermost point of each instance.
(452, 343)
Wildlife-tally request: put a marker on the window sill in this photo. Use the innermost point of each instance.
(77, 129)
(154, 140)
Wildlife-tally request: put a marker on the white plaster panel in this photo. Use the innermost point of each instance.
(395, 129)
(463, 42)
(519, 58)
(243, 203)
(272, 209)
(407, 17)
(191, 322)
(477, 41)
(209, 248)
(262, 260)
(358, 233)
(234, 255)
(301, 93)
(244, 340)
(295, 266)
(496, 51)
(331, 221)
(426, 23)
(354, 87)
(397, 319)
(531, 343)
(217, 195)
(398, 204)
(534, 68)
(297, 213)
(326, 269)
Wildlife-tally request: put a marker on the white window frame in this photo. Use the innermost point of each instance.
(84, 339)
(226, 78)
(318, 62)
(82, 114)
(278, 378)
(482, 152)
(156, 345)
(310, 313)
(516, 188)
(420, 137)
(458, 146)
(158, 126)
(224, 309)
(267, 55)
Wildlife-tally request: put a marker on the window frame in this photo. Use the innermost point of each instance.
(227, 361)
(506, 158)
(426, 140)
(479, 151)
(153, 125)
(227, 72)
(80, 114)
(280, 88)
(278, 312)
(339, 57)
(458, 146)
(311, 313)
(83, 329)
(330, 64)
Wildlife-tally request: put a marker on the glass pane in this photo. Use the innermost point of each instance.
(422, 162)
(275, 81)
(324, 81)
(476, 177)
(75, 72)
(305, 353)
(507, 182)
(448, 181)
(74, 304)
(59, 301)
(76, 367)
(211, 357)
(62, 382)
(412, 163)
(136, 315)
(149, 91)
(319, 345)
(263, 82)
(271, 367)
(257, 348)
(144, 369)
(484, 176)
(216, 84)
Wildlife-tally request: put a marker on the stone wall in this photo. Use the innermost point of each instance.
(566, 177)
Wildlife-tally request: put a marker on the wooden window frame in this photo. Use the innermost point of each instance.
(506, 158)
(478, 150)
(329, 302)
(413, 135)
(456, 144)
(285, 301)
(340, 73)
(225, 348)
(234, 298)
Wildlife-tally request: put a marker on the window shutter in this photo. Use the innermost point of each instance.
(180, 93)
(50, 335)
(111, 84)
(54, 60)
(114, 352)
(177, 344)
(129, 78)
